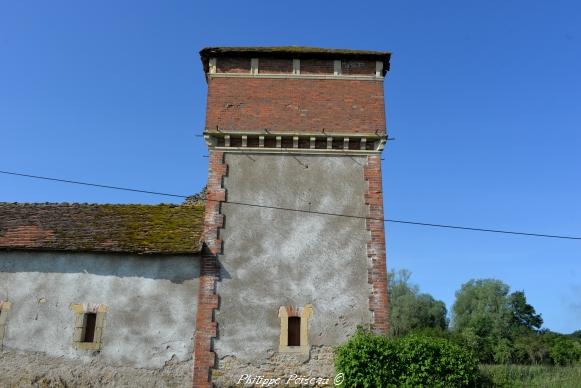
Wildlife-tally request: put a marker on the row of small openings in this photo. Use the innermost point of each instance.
(273, 66)
(320, 143)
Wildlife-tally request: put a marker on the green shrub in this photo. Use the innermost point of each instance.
(369, 360)
(563, 351)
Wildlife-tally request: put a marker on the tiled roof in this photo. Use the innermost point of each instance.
(166, 229)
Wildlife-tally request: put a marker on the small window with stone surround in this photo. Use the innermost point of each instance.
(294, 328)
(89, 324)
(4, 308)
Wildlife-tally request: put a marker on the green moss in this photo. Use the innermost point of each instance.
(160, 228)
(129, 228)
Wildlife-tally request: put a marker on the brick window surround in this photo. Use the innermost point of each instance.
(304, 313)
(80, 311)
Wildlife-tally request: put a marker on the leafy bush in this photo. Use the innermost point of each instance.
(436, 362)
(369, 360)
(564, 352)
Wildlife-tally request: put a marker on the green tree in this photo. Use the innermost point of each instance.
(575, 334)
(499, 327)
(523, 314)
(412, 310)
(482, 305)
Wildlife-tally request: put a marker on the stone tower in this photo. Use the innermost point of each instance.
(294, 256)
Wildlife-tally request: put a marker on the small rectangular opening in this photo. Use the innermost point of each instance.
(337, 143)
(269, 142)
(304, 143)
(287, 142)
(90, 321)
(235, 141)
(294, 331)
(252, 142)
(321, 143)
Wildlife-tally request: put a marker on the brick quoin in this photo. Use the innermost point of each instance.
(378, 299)
(208, 300)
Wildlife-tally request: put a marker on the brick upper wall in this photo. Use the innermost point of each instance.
(295, 105)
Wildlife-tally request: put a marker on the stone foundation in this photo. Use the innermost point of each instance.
(27, 369)
(319, 363)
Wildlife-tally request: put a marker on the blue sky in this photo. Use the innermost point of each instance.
(484, 100)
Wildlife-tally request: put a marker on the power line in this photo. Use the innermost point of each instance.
(408, 222)
(92, 184)
(417, 223)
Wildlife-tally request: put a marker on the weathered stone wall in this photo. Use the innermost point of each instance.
(289, 369)
(33, 369)
(151, 303)
(274, 258)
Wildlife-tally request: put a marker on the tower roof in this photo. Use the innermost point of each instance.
(297, 52)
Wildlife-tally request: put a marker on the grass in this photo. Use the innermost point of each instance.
(531, 376)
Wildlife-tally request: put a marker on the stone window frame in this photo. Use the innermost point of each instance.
(80, 309)
(305, 313)
(5, 306)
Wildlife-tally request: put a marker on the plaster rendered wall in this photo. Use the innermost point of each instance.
(275, 258)
(151, 303)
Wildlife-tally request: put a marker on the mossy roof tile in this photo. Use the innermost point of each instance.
(142, 229)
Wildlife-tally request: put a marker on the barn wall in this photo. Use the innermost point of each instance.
(150, 321)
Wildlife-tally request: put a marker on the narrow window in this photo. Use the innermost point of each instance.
(294, 331)
(90, 323)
